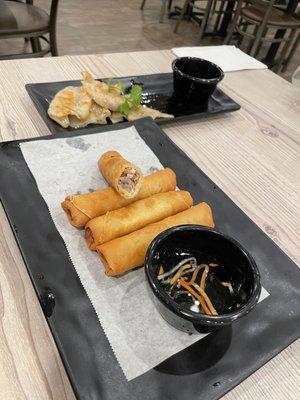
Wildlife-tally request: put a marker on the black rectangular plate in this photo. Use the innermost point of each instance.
(157, 93)
(207, 369)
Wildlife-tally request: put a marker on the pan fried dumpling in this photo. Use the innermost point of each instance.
(116, 117)
(97, 115)
(70, 101)
(142, 112)
(100, 93)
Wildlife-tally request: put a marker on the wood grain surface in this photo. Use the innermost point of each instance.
(252, 154)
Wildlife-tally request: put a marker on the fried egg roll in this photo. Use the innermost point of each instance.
(120, 174)
(135, 216)
(127, 252)
(83, 207)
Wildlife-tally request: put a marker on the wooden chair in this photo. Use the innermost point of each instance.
(24, 20)
(163, 8)
(262, 16)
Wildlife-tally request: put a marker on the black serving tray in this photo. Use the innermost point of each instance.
(157, 93)
(207, 369)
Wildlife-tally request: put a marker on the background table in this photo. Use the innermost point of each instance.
(251, 154)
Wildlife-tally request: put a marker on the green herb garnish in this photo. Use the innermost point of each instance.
(132, 100)
(125, 107)
(136, 95)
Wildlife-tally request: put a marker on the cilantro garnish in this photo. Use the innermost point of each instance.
(132, 100)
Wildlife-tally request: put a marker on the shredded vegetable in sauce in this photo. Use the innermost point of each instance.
(188, 281)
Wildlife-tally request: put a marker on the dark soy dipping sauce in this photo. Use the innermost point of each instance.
(223, 300)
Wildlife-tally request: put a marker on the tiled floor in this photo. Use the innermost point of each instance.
(99, 26)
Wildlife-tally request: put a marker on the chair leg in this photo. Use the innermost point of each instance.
(256, 44)
(242, 37)
(190, 10)
(35, 45)
(233, 23)
(214, 6)
(169, 4)
(53, 43)
(285, 49)
(143, 4)
(251, 41)
(163, 10)
(183, 12)
(291, 54)
(204, 20)
(264, 34)
(220, 11)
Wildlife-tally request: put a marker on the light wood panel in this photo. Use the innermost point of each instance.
(252, 154)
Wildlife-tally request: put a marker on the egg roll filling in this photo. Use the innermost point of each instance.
(128, 179)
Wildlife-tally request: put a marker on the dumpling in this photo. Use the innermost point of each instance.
(142, 112)
(116, 117)
(100, 93)
(70, 101)
(97, 115)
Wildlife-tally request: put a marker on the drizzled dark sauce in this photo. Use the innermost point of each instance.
(225, 293)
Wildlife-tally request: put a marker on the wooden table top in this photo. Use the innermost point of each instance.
(252, 154)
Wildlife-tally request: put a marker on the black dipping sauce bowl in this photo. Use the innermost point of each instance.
(207, 246)
(195, 79)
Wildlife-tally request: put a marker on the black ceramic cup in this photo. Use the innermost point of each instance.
(195, 79)
(201, 242)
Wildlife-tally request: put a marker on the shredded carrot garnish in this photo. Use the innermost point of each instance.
(194, 276)
(203, 277)
(161, 270)
(179, 272)
(196, 295)
(206, 298)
